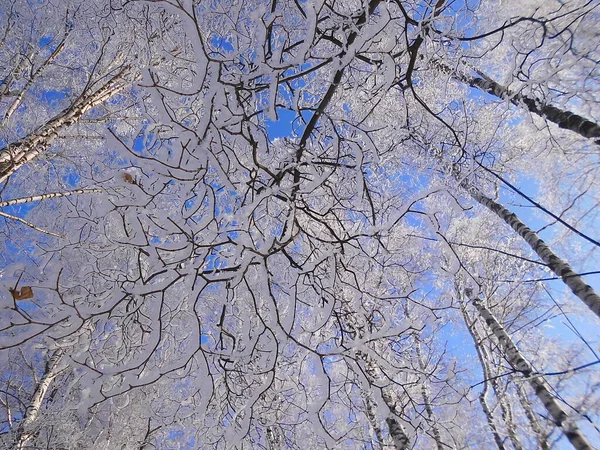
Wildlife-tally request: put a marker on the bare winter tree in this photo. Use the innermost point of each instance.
(244, 224)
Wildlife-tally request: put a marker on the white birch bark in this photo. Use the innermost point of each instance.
(35, 198)
(20, 66)
(16, 154)
(539, 385)
(29, 224)
(429, 410)
(490, 417)
(485, 359)
(486, 376)
(397, 433)
(19, 97)
(25, 431)
(507, 415)
(272, 439)
(560, 267)
(565, 119)
(541, 437)
(372, 416)
(435, 431)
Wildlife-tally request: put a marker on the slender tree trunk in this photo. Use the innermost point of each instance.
(29, 224)
(372, 416)
(24, 432)
(19, 97)
(35, 198)
(557, 265)
(505, 407)
(23, 151)
(272, 439)
(507, 415)
(485, 359)
(490, 417)
(397, 432)
(20, 66)
(533, 422)
(428, 408)
(539, 385)
(563, 118)
(486, 376)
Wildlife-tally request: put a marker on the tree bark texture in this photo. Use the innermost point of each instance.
(437, 437)
(539, 385)
(16, 154)
(397, 432)
(563, 118)
(24, 432)
(36, 198)
(486, 376)
(560, 267)
(541, 437)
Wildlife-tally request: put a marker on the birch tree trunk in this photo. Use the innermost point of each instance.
(539, 385)
(16, 154)
(19, 97)
(507, 415)
(25, 432)
(490, 417)
(21, 63)
(429, 410)
(272, 439)
(36, 198)
(372, 416)
(533, 422)
(437, 437)
(563, 118)
(486, 376)
(485, 360)
(505, 408)
(560, 267)
(397, 432)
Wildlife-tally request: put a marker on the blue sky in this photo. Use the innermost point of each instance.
(288, 125)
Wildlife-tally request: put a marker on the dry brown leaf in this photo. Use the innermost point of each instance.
(25, 293)
(128, 178)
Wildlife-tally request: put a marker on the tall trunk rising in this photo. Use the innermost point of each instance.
(397, 432)
(539, 385)
(437, 437)
(24, 432)
(563, 118)
(486, 376)
(19, 153)
(560, 267)
(533, 422)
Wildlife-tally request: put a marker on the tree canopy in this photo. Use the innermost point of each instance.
(299, 224)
